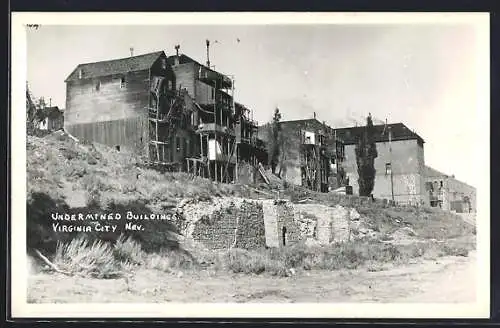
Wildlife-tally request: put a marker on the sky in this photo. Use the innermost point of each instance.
(424, 76)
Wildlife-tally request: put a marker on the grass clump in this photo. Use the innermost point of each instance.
(252, 262)
(94, 259)
(170, 260)
(127, 250)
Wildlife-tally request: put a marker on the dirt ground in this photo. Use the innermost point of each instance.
(447, 279)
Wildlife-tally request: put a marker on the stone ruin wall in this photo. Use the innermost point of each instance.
(254, 224)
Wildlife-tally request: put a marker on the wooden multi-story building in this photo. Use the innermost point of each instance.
(311, 154)
(172, 110)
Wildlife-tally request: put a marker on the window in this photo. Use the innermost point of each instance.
(388, 168)
(170, 85)
(98, 86)
(123, 83)
(213, 93)
(163, 63)
(117, 148)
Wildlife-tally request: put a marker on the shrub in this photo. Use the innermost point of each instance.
(128, 251)
(168, 260)
(95, 260)
(243, 261)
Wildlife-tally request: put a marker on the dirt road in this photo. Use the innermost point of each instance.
(447, 279)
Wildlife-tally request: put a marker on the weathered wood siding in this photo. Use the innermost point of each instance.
(105, 111)
(87, 102)
(160, 68)
(185, 76)
(205, 94)
(291, 168)
(125, 133)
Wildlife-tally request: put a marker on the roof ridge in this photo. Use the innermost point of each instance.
(123, 58)
(115, 66)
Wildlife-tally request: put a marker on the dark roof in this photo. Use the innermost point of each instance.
(51, 112)
(116, 66)
(399, 132)
(431, 173)
(309, 122)
(184, 59)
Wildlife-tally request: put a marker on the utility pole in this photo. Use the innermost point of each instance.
(208, 53)
(390, 162)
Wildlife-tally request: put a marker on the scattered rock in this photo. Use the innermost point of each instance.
(354, 215)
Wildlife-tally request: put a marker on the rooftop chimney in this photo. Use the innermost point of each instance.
(131, 51)
(176, 60)
(314, 115)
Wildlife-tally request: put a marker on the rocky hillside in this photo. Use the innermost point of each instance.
(67, 175)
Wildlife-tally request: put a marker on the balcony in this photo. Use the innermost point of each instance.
(212, 127)
(209, 76)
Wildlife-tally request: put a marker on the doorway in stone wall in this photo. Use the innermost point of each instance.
(283, 236)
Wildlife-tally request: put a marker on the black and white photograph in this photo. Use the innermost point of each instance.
(241, 164)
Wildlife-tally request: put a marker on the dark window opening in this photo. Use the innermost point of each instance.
(213, 93)
(387, 168)
(98, 86)
(123, 82)
(441, 184)
(117, 148)
(283, 235)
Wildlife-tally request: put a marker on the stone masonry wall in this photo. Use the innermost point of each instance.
(288, 227)
(273, 223)
(234, 226)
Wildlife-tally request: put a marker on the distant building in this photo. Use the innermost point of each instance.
(174, 111)
(311, 155)
(51, 118)
(448, 193)
(400, 168)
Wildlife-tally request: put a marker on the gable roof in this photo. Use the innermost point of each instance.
(184, 59)
(50, 112)
(115, 66)
(399, 132)
(311, 123)
(433, 173)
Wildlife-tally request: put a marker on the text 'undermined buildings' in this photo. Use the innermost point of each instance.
(174, 111)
